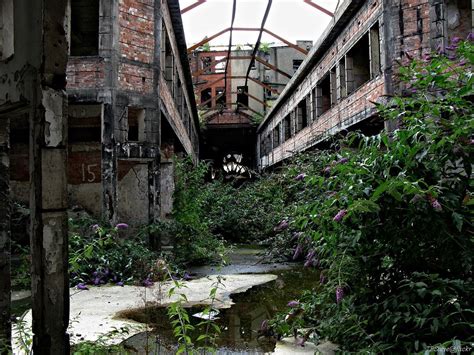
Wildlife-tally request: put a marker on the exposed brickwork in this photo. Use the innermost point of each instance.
(417, 27)
(83, 72)
(135, 78)
(136, 20)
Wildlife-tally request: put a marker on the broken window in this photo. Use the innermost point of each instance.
(374, 39)
(220, 98)
(206, 97)
(84, 123)
(287, 127)
(242, 97)
(276, 136)
(219, 66)
(84, 27)
(136, 124)
(302, 115)
(358, 64)
(169, 65)
(6, 29)
(206, 65)
(341, 79)
(323, 95)
(296, 64)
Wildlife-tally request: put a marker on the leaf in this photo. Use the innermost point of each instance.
(458, 220)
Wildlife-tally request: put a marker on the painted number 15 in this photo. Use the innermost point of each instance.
(87, 174)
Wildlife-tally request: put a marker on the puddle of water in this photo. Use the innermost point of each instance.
(239, 324)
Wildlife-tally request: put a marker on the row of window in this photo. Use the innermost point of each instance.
(359, 65)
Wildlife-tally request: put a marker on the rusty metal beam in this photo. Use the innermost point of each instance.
(319, 7)
(289, 44)
(205, 40)
(208, 85)
(258, 59)
(192, 6)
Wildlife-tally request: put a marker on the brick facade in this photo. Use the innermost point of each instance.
(389, 33)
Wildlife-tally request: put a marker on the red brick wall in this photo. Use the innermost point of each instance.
(83, 73)
(136, 20)
(135, 78)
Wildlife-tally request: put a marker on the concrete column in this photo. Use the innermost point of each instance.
(49, 242)
(48, 183)
(109, 165)
(5, 260)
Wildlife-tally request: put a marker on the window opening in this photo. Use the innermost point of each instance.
(242, 97)
(84, 28)
(358, 64)
(206, 64)
(296, 64)
(206, 98)
(220, 100)
(287, 126)
(374, 38)
(136, 124)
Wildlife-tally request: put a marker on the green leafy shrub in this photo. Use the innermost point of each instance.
(97, 255)
(389, 219)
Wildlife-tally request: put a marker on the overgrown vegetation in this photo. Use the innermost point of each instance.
(388, 219)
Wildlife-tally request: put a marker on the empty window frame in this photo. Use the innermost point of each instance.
(206, 65)
(219, 66)
(6, 29)
(341, 79)
(167, 52)
(276, 136)
(323, 95)
(136, 124)
(358, 64)
(206, 98)
(242, 97)
(296, 64)
(301, 115)
(287, 127)
(220, 98)
(84, 123)
(374, 44)
(84, 28)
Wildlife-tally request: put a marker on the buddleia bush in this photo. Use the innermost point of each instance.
(388, 218)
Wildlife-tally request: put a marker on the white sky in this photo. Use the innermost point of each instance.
(290, 19)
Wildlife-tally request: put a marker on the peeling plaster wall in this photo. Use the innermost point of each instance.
(132, 193)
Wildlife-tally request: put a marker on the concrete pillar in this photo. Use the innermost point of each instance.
(48, 182)
(109, 165)
(5, 260)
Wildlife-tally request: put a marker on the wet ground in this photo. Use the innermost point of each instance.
(239, 324)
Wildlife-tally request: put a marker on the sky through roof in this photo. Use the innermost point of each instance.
(291, 19)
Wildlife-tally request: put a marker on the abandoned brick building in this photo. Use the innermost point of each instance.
(121, 137)
(353, 65)
(230, 105)
(96, 98)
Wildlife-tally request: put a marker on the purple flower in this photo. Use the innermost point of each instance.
(309, 262)
(470, 36)
(95, 228)
(296, 235)
(264, 325)
(311, 254)
(121, 226)
(300, 177)
(120, 283)
(82, 286)
(339, 294)
(322, 278)
(298, 251)
(97, 281)
(450, 48)
(186, 276)
(342, 161)
(436, 205)
(338, 217)
(147, 282)
(293, 304)
(327, 170)
(427, 57)
(462, 62)
(455, 40)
